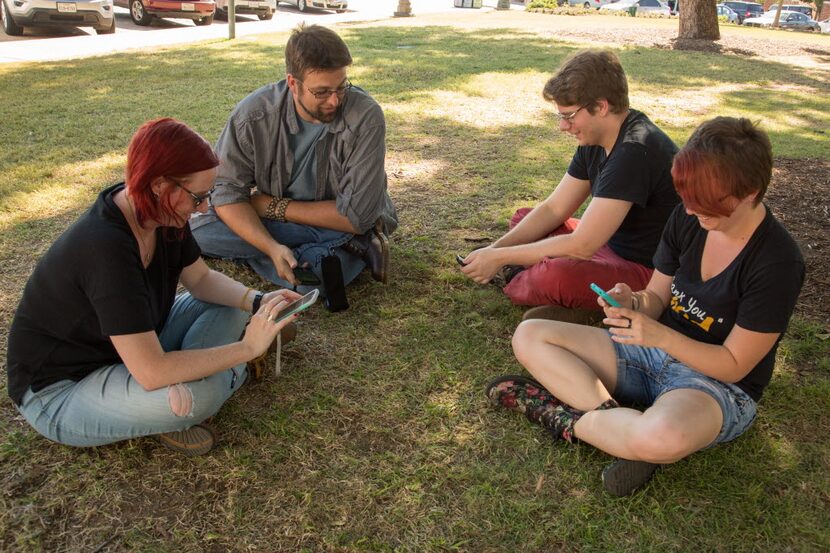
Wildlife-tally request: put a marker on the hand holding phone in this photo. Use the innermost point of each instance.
(604, 295)
(298, 305)
(460, 260)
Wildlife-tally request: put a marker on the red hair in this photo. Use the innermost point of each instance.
(163, 148)
(726, 159)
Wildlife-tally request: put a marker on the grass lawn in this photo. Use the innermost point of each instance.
(377, 436)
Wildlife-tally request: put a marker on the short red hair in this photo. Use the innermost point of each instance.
(726, 158)
(163, 148)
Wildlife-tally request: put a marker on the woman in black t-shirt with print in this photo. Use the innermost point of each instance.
(101, 348)
(697, 346)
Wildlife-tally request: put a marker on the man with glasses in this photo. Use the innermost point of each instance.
(622, 162)
(302, 175)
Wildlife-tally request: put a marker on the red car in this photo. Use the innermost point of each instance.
(142, 12)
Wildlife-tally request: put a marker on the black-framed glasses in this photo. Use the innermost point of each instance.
(198, 199)
(340, 91)
(568, 117)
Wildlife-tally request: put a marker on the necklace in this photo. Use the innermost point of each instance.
(146, 258)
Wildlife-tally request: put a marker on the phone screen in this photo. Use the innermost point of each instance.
(298, 305)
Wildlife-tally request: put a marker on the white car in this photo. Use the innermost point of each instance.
(587, 4)
(788, 20)
(18, 14)
(642, 6)
(824, 26)
(337, 5)
(263, 9)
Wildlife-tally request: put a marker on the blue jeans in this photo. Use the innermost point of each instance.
(108, 405)
(310, 245)
(644, 374)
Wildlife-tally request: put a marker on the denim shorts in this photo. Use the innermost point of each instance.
(644, 374)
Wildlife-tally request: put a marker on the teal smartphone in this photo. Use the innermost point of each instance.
(604, 295)
(298, 305)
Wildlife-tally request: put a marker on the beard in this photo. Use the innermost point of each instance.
(319, 114)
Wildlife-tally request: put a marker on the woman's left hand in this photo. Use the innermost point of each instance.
(632, 327)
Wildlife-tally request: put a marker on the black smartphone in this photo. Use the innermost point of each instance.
(460, 260)
(306, 276)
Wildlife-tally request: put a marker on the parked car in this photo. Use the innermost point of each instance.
(17, 15)
(642, 6)
(731, 16)
(263, 9)
(142, 12)
(801, 8)
(788, 20)
(337, 5)
(824, 25)
(745, 9)
(587, 4)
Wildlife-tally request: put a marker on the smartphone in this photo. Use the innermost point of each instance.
(298, 305)
(604, 295)
(306, 276)
(460, 260)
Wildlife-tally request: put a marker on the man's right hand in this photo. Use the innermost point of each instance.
(284, 263)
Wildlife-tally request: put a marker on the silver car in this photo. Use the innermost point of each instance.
(18, 14)
(731, 15)
(337, 5)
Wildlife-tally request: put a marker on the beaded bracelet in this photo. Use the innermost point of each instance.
(272, 206)
(283, 205)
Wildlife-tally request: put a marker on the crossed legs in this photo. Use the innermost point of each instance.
(578, 364)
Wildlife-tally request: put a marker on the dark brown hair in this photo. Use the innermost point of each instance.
(586, 77)
(315, 48)
(725, 158)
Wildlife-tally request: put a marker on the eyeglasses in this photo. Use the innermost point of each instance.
(340, 91)
(568, 117)
(198, 199)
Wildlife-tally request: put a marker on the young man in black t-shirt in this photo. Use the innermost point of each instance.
(697, 345)
(623, 162)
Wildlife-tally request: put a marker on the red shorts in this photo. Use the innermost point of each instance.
(565, 281)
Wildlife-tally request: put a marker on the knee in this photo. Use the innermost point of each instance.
(660, 441)
(529, 336)
(180, 399)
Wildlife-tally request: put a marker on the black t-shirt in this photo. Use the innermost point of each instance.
(638, 170)
(91, 285)
(757, 291)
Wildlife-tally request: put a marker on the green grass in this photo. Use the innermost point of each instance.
(377, 436)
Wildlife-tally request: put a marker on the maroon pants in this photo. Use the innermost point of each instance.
(565, 281)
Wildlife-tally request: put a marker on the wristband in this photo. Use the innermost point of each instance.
(257, 302)
(280, 210)
(244, 297)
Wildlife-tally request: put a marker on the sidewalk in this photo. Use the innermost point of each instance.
(50, 45)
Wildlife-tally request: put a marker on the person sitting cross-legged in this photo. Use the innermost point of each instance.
(302, 178)
(697, 346)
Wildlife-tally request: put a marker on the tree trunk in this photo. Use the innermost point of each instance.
(699, 19)
(775, 23)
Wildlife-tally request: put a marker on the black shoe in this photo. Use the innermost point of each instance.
(623, 477)
(373, 249)
(506, 274)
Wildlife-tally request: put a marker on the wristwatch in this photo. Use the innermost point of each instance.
(257, 302)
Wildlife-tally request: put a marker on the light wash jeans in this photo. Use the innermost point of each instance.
(109, 405)
(309, 244)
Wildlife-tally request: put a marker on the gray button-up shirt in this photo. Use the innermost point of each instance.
(255, 153)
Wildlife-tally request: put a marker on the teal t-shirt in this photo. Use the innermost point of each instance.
(303, 183)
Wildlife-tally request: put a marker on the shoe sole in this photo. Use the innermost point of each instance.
(191, 449)
(624, 477)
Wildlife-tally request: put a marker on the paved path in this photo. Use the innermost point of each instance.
(40, 44)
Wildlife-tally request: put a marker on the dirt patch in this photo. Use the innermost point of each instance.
(798, 196)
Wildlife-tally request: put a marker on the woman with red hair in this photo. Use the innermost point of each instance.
(101, 348)
(697, 346)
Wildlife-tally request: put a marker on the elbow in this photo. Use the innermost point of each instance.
(146, 379)
(583, 252)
